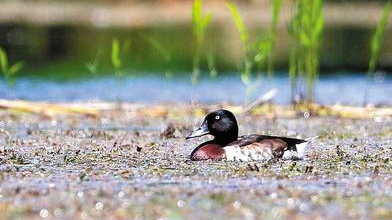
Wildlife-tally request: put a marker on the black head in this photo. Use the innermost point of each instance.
(221, 124)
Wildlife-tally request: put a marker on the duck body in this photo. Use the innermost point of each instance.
(227, 145)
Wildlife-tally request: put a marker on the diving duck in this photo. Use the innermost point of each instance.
(222, 125)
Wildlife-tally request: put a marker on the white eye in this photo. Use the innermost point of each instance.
(217, 117)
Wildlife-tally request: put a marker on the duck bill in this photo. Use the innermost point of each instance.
(202, 130)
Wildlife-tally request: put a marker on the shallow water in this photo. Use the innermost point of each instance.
(338, 88)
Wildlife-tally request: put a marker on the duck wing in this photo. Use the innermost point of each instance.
(260, 147)
(248, 139)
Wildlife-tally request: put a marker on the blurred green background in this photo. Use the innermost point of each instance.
(57, 39)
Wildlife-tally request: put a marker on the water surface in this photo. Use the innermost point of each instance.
(152, 88)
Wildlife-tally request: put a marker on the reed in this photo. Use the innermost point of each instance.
(94, 65)
(375, 46)
(200, 23)
(248, 61)
(9, 71)
(116, 60)
(305, 31)
(162, 50)
(258, 52)
(117, 56)
(211, 65)
(240, 25)
(276, 7)
(266, 45)
(377, 39)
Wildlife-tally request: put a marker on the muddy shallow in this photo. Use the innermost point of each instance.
(124, 166)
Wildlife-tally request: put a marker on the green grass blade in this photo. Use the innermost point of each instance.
(125, 46)
(160, 48)
(272, 37)
(238, 22)
(16, 68)
(92, 68)
(275, 13)
(199, 23)
(306, 26)
(196, 16)
(206, 21)
(211, 65)
(377, 39)
(3, 61)
(116, 61)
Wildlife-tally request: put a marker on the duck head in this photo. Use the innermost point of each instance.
(221, 124)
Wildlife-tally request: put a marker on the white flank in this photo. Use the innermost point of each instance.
(244, 154)
(236, 153)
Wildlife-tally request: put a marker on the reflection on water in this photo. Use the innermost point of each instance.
(341, 88)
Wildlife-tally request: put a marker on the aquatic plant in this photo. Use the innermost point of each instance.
(259, 52)
(211, 65)
(377, 39)
(272, 36)
(246, 47)
(94, 65)
(118, 51)
(9, 71)
(200, 23)
(116, 61)
(306, 26)
(266, 46)
(246, 67)
(375, 46)
(162, 50)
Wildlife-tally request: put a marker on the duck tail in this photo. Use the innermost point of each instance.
(301, 148)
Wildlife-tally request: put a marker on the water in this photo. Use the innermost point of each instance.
(337, 88)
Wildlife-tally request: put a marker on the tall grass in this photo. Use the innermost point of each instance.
(305, 30)
(9, 71)
(240, 25)
(246, 67)
(162, 50)
(260, 52)
(375, 46)
(94, 65)
(200, 23)
(117, 56)
(211, 65)
(272, 37)
(377, 39)
(266, 46)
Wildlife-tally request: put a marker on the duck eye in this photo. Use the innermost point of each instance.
(217, 117)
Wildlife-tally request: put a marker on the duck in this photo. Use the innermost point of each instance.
(227, 145)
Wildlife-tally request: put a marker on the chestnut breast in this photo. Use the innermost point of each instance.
(208, 151)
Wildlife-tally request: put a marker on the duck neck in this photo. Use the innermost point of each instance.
(225, 139)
